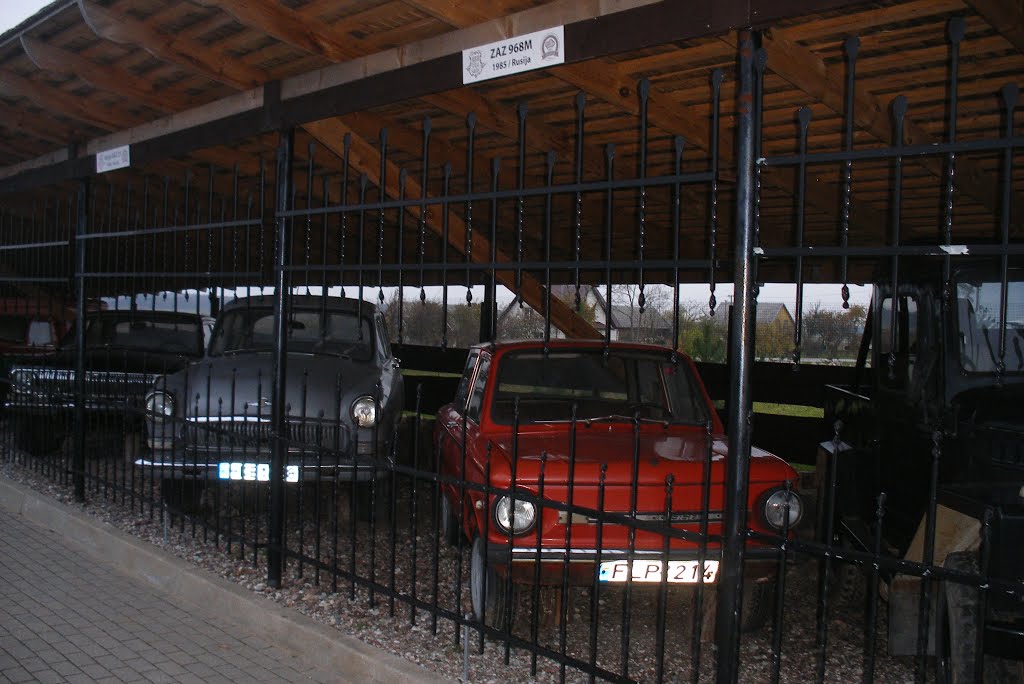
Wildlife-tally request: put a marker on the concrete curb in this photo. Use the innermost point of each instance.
(322, 646)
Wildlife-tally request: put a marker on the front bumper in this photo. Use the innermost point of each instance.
(761, 562)
(254, 466)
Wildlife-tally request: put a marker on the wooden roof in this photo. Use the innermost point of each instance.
(87, 75)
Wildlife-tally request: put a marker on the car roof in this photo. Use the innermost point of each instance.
(303, 302)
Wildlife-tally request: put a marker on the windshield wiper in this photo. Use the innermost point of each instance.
(620, 417)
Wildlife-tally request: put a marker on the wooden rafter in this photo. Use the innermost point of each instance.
(610, 82)
(810, 74)
(191, 54)
(54, 99)
(1005, 16)
(366, 159)
(181, 50)
(109, 78)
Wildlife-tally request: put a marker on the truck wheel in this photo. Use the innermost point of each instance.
(448, 523)
(956, 629)
(758, 603)
(956, 624)
(488, 590)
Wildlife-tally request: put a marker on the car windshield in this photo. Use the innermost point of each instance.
(174, 336)
(618, 387)
(310, 331)
(978, 314)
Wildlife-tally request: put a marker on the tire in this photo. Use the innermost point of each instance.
(956, 624)
(37, 436)
(956, 629)
(448, 523)
(758, 605)
(373, 498)
(488, 590)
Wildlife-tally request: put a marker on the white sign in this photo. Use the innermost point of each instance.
(109, 160)
(514, 55)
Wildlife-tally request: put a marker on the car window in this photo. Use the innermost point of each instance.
(476, 397)
(545, 387)
(181, 336)
(40, 333)
(313, 331)
(383, 341)
(462, 392)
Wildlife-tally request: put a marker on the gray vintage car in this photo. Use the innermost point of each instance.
(213, 419)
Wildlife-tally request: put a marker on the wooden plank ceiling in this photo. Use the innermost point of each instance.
(97, 67)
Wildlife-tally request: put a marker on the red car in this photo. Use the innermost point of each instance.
(597, 437)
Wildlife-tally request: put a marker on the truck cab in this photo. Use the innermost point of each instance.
(935, 421)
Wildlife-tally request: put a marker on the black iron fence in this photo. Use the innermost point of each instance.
(292, 437)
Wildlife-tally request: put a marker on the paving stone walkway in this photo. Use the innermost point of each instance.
(66, 617)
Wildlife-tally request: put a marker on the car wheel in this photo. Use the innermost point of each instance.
(37, 436)
(373, 499)
(448, 523)
(493, 597)
(758, 604)
(132, 448)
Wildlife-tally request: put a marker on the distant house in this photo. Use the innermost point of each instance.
(626, 322)
(771, 314)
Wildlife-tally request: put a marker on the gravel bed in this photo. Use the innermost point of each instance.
(432, 642)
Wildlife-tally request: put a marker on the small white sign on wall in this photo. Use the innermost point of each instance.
(535, 50)
(117, 158)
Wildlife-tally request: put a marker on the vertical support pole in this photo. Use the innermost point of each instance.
(275, 533)
(78, 434)
(741, 346)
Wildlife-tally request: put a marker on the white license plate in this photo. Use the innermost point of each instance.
(254, 472)
(679, 571)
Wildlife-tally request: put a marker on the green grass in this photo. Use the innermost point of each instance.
(767, 408)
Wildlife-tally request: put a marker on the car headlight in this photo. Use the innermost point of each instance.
(22, 379)
(160, 404)
(520, 520)
(364, 412)
(775, 508)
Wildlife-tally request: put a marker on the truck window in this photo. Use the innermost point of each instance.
(899, 344)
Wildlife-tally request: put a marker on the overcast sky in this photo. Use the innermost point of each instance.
(13, 12)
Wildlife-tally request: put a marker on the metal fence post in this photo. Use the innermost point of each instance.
(741, 347)
(275, 532)
(78, 428)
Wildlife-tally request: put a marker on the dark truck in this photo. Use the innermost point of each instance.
(125, 350)
(940, 384)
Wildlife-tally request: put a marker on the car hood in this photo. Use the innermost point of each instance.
(242, 385)
(679, 452)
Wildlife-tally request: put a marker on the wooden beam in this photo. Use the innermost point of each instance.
(806, 71)
(365, 158)
(187, 53)
(610, 82)
(1005, 16)
(108, 77)
(55, 99)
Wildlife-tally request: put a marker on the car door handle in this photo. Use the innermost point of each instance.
(452, 424)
